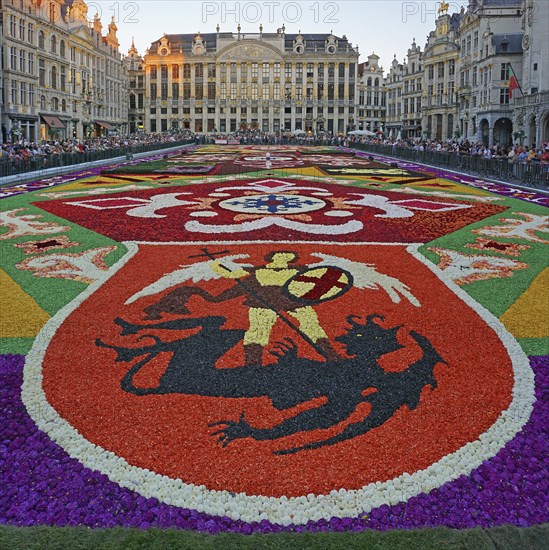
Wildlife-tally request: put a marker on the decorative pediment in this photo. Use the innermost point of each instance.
(250, 51)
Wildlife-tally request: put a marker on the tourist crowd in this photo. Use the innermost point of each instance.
(511, 153)
(26, 150)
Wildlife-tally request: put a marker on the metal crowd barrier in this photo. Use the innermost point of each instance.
(10, 167)
(535, 175)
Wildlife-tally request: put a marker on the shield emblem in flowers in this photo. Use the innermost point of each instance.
(283, 381)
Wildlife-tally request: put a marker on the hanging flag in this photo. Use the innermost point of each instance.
(513, 82)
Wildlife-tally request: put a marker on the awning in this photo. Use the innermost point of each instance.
(53, 121)
(104, 124)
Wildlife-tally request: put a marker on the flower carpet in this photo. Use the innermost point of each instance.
(265, 339)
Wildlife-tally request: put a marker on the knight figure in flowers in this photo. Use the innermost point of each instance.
(277, 291)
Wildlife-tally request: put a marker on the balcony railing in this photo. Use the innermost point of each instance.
(535, 99)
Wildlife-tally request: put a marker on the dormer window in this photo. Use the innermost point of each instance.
(331, 45)
(299, 44)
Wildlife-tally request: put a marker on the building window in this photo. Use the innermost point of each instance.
(53, 44)
(64, 106)
(505, 71)
(164, 91)
(223, 90)
(153, 93)
(21, 29)
(276, 92)
(199, 70)
(431, 72)
(233, 90)
(451, 67)
(153, 72)
(53, 77)
(13, 59)
(164, 72)
(211, 70)
(265, 72)
(288, 92)
(23, 93)
(276, 70)
(475, 41)
(440, 69)
(504, 96)
(62, 48)
(288, 70)
(211, 90)
(331, 70)
(187, 70)
(14, 92)
(55, 104)
(63, 79)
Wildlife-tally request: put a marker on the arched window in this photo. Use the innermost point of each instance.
(53, 44)
(369, 82)
(53, 77)
(55, 104)
(41, 40)
(62, 48)
(64, 106)
(42, 102)
(377, 82)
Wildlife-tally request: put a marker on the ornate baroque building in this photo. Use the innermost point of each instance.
(136, 100)
(532, 109)
(228, 81)
(490, 49)
(440, 60)
(61, 76)
(393, 93)
(372, 104)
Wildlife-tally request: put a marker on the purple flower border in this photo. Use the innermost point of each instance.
(42, 485)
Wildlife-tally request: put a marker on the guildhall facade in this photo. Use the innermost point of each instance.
(225, 82)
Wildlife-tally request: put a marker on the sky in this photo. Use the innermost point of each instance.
(386, 27)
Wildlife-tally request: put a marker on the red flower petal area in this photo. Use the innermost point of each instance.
(113, 215)
(170, 434)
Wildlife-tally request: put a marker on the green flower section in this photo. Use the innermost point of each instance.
(529, 257)
(50, 293)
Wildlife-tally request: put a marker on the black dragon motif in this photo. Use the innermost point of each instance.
(291, 381)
